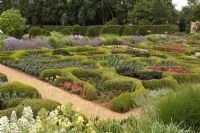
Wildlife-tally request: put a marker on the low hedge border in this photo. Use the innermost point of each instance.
(35, 104)
(96, 30)
(167, 82)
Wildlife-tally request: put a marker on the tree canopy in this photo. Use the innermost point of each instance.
(12, 23)
(93, 12)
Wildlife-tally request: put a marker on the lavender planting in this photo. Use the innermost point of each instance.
(12, 44)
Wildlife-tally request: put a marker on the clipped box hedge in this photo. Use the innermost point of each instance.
(35, 104)
(167, 82)
(96, 30)
(123, 103)
(3, 78)
(21, 90)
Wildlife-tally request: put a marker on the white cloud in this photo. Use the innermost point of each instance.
(180, 3)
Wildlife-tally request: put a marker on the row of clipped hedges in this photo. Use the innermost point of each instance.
(122, 103)
(113, 29)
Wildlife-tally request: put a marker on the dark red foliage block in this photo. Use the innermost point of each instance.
(171, 69)
(172, 48)
(73, 88)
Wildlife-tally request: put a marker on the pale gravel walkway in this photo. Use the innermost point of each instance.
(54, 93)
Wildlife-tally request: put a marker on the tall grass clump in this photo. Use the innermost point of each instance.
(181, 107)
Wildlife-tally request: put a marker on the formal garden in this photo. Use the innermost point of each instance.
(147, 66)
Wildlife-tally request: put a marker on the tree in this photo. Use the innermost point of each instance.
(153, 12)
(189, 14)
(12, 23)
(141, 13)
(122, 8)
(87, 12)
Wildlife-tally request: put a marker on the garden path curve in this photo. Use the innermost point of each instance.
(54, 93)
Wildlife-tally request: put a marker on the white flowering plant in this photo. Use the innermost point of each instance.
(63, 119)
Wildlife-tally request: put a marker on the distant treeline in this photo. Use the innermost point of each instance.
(94, 12)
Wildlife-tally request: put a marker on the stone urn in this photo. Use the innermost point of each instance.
(195, 27)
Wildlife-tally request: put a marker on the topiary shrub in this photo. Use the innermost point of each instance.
(19, 89)
(35, 31)
(182, 108)
(123, 103)
(93, 31)
(76, 30)
(168, 82)
(3, 78)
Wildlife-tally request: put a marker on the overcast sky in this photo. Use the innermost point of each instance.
(180, 3)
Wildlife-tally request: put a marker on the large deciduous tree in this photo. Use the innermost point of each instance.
(153, 12)
(12, 23)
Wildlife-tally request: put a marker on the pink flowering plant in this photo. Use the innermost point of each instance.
(74, 88)
(171, 69)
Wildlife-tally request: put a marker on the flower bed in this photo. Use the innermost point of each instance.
(172, 48)
(171, 69)
(73, 88)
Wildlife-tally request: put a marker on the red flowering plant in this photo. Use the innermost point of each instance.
(73, 88)
(172, 48)
(171, 69)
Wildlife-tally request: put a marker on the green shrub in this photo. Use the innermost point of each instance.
(83, 30)
(3, 78)
(130, 30)
(85, 74)
(12, 22)
(21, 90)
(112, 40)
(12, 103)
(119, 85)
(90, 92)
(112, 29)
(93, 31)
(51, 73)
(35, 104)
(18, 33)
(144, 30)
(187, 78)
(181, 108)
(35, 31)
(57, 40)
(168, 82)
(66, 31)
(76, 29)
(123, 103)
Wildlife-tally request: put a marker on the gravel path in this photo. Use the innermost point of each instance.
(54, 93)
